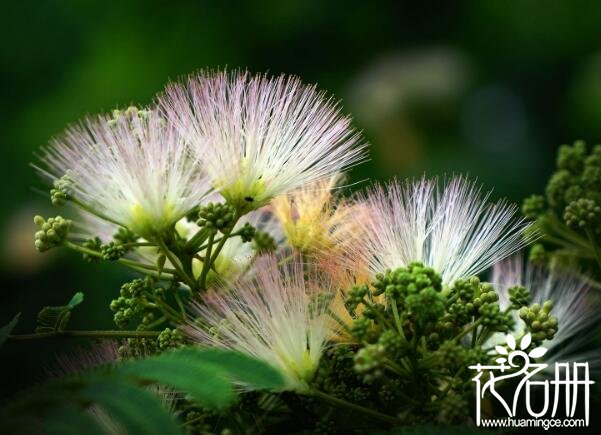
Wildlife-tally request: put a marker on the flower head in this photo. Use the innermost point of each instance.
(270, 317)
(574, 305)
(318, 222)
(453, 230)
(259, 137)
(133, 170)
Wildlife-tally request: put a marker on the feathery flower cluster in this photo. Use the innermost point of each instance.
(453, 230)
(132, 169)
(318, 222)
(574, 305)
(269, 317)
(259, 137)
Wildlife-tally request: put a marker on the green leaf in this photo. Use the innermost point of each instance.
(75, 300)
(72, 421)
(206, 374)
(133, 408)
(185, 373)
(242, 368)
(8, 328)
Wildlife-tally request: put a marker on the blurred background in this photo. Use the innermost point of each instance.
(489, 88)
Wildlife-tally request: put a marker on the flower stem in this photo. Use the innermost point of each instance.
(90, 334)
(175, 262)
(126, 262)
(341, 403)
(596, 249)
(206, 265)
(465, 331)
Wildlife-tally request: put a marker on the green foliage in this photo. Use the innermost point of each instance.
(124, 394)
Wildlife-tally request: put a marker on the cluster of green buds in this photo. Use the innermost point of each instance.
(568, 216)
(112, 251)
(133, 302)
(62, 191)
(411, 332)
(472, 299)
(53, 232)
(117, 113)
(216, 216)
(539, 322)
(171, 338)
(263, 242)
(519, 296)
(369, 361)
(583, 213)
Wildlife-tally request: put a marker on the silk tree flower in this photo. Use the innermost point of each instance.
(319, 223)
(260, 137)
(452, 229)
(574, 304)
(272, 317)
(134, 170)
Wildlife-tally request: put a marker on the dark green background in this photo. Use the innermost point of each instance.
(488, 88)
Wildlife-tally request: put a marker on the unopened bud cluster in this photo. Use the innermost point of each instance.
(52, 232)
(539, 321)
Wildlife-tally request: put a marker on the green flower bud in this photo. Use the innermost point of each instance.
(247, 232)
(571, 158)
(93, 244)
(216, 216)
(519, 296)
(263, 242)
(533, 206)
(53, 232)
(112, 251)
(62, 191)
(582, 213)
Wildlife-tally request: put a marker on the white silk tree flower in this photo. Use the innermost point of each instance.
(452, 229)
(575, 305)
(260, 137)
(133, 170)
(271, 317)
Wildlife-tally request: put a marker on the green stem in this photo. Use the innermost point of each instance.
(474, 337)
(465, 331)
(137, 244)
(596, 249)
(126, 262)
(206, 265)
(351, 406)
(197, 238)
(169, 311)
(397, 319)
(180, 304)
(175, 262)
(157, 322)
(222, 241)
(90, 334)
